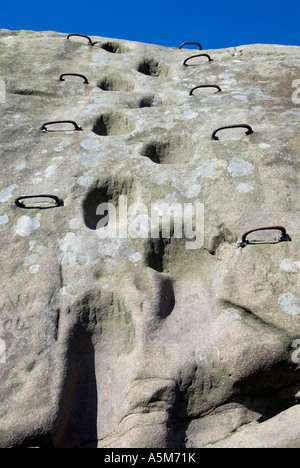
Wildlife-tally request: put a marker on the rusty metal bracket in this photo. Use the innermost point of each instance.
(284, 237)
(249, 130)
(206, 86)
(199, 55)
(44, 126)
(61, 78)
(58, 201)
(82, 35)
(191, 43)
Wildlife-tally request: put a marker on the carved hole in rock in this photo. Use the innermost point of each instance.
(157, 257)
(115, 84)
(113, 123)
(167, 152)
(108, 192)
(114, 47)
(156, 251)
(146, 101)
(224, 235)
(150, 67)
(31, 92)
(95, 197)
(157, 152)
(167, 297)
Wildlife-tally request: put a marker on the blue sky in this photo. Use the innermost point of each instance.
(215, 25)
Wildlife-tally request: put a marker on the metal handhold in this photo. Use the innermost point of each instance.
(44, 126)
(82, 35)
(199, 55)
(205, 86)
(249, 130)
(284, 237)
(58, 201)
(61, 78)
(192, 43)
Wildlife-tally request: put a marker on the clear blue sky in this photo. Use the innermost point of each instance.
(215, 24)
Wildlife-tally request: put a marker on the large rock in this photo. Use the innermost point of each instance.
(135, 340)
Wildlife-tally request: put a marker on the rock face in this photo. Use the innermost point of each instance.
(116, 332)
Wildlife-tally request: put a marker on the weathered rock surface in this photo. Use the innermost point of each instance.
(140, 342)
